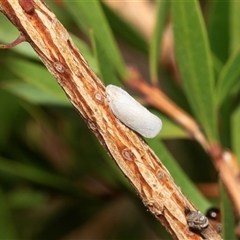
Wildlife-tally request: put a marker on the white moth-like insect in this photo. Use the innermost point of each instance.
(132, 113)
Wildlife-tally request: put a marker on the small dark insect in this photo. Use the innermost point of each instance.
(196, 220)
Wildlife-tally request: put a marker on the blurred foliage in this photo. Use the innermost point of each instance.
(56, 180)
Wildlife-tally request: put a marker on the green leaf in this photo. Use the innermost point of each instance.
(234, 25)
(155, 44)
(228, 222)
(106, 69)
(195, 63)
(26, 198)
(229, 76)
(179, 176)
(218, 65)
(36, 175)
(218, 28)
(37, 76)
(89, 15)
(33, 94)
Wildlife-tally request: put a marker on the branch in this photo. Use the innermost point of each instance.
(137, 161)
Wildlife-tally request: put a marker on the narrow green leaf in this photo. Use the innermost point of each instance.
(195, 63)
(234, 25)
(106, 70)
(33, 94)
(26, 198)
(179, 176)
(228, 222)
(229, 76)
(38, 76)
(36, 175)
(89, 15)
(155, 44)
(218, 28)
(217, 65)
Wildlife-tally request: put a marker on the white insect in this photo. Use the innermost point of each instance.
(132, 113)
